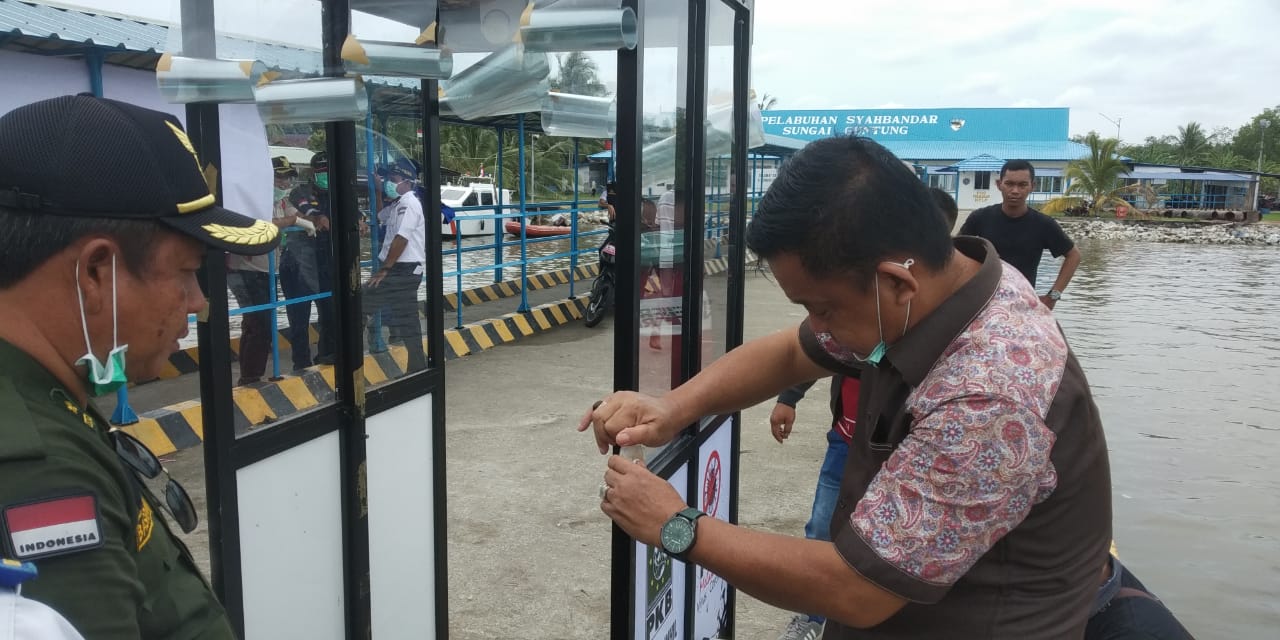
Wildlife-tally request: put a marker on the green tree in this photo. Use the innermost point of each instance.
(578, 74)
(1153, 150)
(1191, 145)
(1097, 180)
(1247, 138)
(1225, 158)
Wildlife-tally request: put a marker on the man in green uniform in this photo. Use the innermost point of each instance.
(105, 217)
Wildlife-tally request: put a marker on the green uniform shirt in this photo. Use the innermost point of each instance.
(133, 578)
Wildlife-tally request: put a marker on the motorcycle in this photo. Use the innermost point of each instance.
(602, 290)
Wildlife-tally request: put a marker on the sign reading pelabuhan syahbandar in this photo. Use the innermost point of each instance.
(948, 124)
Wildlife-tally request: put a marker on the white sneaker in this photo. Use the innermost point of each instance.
(802, 628)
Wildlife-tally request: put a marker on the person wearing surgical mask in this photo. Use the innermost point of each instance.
(97, 281)
(392, 290)
(305, 258)
(976, 498)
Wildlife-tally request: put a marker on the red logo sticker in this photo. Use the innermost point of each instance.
(711, 485)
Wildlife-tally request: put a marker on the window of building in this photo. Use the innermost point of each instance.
(945, 181)
(1048, 184)
(982, 180)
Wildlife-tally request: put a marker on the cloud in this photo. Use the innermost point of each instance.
(1156, 63)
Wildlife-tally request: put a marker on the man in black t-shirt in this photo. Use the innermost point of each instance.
(1021, 234)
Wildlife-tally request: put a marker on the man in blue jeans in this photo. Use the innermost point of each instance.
(844, 409)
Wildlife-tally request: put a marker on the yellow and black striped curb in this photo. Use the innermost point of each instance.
(187, 360)
(181, 425)
(511, 288)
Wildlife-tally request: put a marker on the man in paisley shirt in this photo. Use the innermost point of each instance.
(977, 498)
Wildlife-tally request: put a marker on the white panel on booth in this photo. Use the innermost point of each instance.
(711, 594)
(401, 522)
(246, 160)
(247, 180)
(28, 78)
(291, 543)
(659, 589)
(137, 86)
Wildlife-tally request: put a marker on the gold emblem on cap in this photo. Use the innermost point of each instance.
(201, 202)
(262, 232)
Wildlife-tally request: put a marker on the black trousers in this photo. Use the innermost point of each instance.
(396, 299)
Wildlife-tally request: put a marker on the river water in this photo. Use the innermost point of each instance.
(1179, 344)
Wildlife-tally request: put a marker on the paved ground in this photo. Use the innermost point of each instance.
(528, 546)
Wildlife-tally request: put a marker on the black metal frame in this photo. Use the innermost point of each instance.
(626, 334)
(691, 174)
(224, 453)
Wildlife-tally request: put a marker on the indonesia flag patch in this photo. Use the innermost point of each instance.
(53, 527)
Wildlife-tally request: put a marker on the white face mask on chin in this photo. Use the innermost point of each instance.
(102, 378)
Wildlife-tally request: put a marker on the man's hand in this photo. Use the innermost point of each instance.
(627, 418)
(376, 279)
(321, 222)
(1048, 302)
(781, 421)
(639, 501)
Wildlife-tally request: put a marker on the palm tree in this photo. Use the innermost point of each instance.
(1225, 158)
(767, 102)
(578, 74)
(1096, 180)
(1191, 145)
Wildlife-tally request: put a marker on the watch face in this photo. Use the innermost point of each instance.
(677, 535)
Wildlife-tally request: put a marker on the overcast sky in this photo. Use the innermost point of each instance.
(1151, 64)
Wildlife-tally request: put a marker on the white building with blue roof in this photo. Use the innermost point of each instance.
(961, 151)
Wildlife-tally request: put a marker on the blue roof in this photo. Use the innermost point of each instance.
(982, 162)
(43, 21)
(1199, 176)
(130, 34)
(957, 151)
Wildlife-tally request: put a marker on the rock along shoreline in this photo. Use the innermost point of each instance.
(1174, 232)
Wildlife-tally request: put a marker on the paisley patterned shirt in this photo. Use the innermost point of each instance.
(977, 486)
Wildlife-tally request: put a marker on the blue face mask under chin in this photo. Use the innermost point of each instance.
(102, 378)
(850, 357)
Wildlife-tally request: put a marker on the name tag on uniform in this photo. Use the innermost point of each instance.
(52, 527)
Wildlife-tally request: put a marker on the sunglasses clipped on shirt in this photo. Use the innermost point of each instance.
(146, 464)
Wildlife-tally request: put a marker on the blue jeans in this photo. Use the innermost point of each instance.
(828, 489)
(826, 493)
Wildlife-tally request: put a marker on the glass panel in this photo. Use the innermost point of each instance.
(282, 318)
(392, 201)
(718, 181)
(665, 149)
(497, 182)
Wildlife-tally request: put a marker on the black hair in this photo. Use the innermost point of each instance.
(947, 204)
(843, 205)
(29, 240)
(1017, 165)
